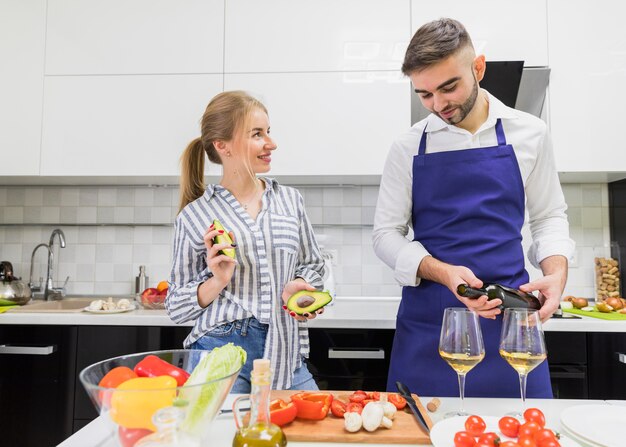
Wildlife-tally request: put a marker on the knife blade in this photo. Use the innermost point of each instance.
(406, 393)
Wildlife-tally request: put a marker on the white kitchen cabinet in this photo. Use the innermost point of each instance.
(121, 125)
(22, 42)
(330, 123)
(502, 31)
(134, 37)
(320, 35)
(588, 60)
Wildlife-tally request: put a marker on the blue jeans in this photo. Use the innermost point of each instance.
(250, 334)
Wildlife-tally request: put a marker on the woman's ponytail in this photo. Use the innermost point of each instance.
(192, 173)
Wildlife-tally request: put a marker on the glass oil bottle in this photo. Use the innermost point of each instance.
(259, 431)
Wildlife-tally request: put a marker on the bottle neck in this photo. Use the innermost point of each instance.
(260, 398)
(470, 292)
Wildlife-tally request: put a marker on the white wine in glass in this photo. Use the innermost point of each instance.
(522, 345)
(461, 346)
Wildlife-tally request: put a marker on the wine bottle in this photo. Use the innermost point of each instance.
(510, 297)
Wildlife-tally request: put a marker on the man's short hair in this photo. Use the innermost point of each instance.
(434, 42)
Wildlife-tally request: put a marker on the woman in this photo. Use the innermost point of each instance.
(239, 300)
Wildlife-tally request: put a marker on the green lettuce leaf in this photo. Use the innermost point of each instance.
(205, 401)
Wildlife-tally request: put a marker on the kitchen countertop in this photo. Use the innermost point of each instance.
(345, 313)
(223, 428)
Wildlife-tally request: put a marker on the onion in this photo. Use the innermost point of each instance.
(579, 303)
(615, 303)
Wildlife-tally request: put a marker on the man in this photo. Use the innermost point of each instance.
(464, 178)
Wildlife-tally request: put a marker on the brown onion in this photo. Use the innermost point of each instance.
(568, 298)
(579, 303)
(615, 303)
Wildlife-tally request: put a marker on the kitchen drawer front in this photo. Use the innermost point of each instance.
(350, 358)
(607, 365)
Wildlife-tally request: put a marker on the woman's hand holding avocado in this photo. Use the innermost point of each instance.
(292, 287)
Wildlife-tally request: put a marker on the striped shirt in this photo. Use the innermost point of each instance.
(272, 250)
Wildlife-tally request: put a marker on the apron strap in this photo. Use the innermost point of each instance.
(500, 133)
(422, 148)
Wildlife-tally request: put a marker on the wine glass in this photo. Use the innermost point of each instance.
(461, 346)
(522, 345)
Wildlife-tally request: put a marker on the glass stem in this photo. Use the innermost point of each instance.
(462, 391)
(522, 389)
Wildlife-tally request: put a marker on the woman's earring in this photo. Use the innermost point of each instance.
(228, 154)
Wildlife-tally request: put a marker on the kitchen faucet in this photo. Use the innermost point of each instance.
(49, 292)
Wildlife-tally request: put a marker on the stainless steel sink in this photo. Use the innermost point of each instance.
(64, 305)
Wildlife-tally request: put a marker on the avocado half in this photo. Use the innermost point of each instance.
(306, 301)
(223, 238)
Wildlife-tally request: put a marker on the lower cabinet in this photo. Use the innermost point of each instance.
(568, 362)
(607, 365)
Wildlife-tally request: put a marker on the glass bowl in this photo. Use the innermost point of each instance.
(179, 415)
(151, 300)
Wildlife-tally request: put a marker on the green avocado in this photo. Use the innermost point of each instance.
(223, 238)
(306, 301)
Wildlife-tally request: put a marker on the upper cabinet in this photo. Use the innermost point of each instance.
(134, 37)
(588, 60)
(122, 125)
(22, 43)
(501, 30)
(320, 35)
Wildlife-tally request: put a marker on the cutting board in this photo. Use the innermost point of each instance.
(597, 314)
(405, 428)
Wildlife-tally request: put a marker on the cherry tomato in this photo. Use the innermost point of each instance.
(374, 395)
(354, 407)
(475, 425)
(489, 439)
(358, 397)
(549, 443)
(526, 441)
(535, 415)
(509, 444)
(509, 426)
(464, 439)
(397, 400)
(337, 408)
(543, 434)
(528, 429)
(129, 436)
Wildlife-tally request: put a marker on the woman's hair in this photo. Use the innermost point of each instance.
(434, 42)
(223, 119)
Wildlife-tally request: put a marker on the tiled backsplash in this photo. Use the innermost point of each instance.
(110, 231)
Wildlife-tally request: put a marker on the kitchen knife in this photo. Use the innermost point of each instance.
(404, 391)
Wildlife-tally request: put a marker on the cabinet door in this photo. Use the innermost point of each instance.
(287, 35)
(22, 39)
(139, 36)
(122, 125)
(587, 56)
(37, 367)
(502, 31)
(607, 365)
(330, 123)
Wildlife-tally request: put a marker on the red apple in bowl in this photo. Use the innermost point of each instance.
(153, 299)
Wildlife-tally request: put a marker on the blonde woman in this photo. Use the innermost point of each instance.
(241, 300)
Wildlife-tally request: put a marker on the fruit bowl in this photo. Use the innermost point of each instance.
(140, 414)
(151, 300)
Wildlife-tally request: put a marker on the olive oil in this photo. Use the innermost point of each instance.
(259, 431)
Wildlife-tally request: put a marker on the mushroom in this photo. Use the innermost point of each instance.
(352, 422)
(389, 409)
(372, 416)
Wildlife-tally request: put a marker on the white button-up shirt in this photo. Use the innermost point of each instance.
(545, 205)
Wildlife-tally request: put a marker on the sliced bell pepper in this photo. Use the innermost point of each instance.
(153, 366)
(135, 401)
(281, 412)
(313, 406)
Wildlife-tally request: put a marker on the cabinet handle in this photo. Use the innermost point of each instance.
(28, 350)
(338, 353)
(621, 357)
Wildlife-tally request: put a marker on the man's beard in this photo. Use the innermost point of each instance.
(465, 108)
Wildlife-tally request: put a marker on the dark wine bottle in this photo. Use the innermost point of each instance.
(510, 297)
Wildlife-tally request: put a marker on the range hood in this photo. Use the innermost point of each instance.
(523, 88)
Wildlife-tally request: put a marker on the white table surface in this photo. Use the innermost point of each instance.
(223, 427)
(345, 313)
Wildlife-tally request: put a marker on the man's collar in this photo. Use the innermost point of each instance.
(496, 110)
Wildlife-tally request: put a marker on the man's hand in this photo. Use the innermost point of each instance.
(453, 275)
(551, 286)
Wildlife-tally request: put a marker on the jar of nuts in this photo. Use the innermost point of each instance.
(607, 271)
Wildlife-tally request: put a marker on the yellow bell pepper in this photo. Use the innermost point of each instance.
(135, 401)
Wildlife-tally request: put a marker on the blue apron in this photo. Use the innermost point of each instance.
(468, 209)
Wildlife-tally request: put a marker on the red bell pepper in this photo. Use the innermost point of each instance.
(153, 366)
(313, 406)
(281, 412)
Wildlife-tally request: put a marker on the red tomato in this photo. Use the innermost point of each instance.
(464, 439)
(374, 395)
(509, 426)
(354, 407)
(535, 415)
(526, 441)
(528, 429)
(337, 408)
(543, 434)
(129, 436)
(509, 444)
(398, 401)
(549, 443)
(489, 439)
(475, 425)
(357, 397)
